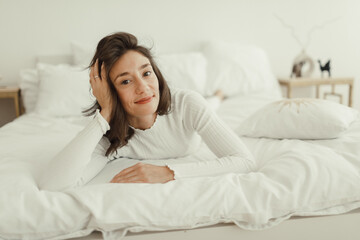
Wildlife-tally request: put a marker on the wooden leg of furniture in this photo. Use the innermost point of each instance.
(317, 91)
(21, 104)
(17, 106)
(288, 92)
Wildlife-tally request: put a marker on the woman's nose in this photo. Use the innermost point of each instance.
(141, 86)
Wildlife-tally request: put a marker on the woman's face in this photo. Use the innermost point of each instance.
(136, 84)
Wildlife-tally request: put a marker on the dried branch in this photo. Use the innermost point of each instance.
(291, 29)
(310, 32)
(318, 27)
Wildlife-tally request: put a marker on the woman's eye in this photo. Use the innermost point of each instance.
(125, 82)
(147, 73)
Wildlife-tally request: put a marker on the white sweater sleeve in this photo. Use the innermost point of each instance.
(213, 102)
(232, 154)
(81, 160)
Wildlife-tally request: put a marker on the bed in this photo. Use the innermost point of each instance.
(297, 181)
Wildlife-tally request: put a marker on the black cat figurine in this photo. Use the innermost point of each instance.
(324, 68)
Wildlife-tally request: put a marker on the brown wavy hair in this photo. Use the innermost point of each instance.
(108, 51)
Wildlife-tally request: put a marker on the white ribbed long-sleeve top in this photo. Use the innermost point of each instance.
(174, 135)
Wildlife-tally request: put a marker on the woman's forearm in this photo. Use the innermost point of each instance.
(68, 166)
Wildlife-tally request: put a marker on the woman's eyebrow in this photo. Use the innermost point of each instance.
(144, 66)
(126, 73)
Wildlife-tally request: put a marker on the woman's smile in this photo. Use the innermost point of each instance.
(144, 100)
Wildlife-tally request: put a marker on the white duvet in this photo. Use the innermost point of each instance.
(295, 177)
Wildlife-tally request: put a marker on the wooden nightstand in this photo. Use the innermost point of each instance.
(290, 83)
(14, 93)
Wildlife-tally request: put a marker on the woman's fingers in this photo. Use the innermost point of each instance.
(103, 72)
(128, 174)
(91, 73)
(145, 173)
(127, 178)
(126, 171)
(101, 90)
(96, 70)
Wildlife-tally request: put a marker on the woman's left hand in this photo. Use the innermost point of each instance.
(144, 173)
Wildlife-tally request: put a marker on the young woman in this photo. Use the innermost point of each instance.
(138, 117)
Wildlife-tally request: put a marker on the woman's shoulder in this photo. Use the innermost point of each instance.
(185, 101)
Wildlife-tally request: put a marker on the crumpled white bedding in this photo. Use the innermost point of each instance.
(295, 178)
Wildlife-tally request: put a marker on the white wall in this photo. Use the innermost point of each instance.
(32, 27)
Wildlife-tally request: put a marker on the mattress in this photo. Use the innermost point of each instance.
(294, 178)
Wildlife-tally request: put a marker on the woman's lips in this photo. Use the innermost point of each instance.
(144, 100)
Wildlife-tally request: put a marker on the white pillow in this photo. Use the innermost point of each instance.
(299, 119)
(184, 70)
(63, 90)
(29, 84)
(238, 69)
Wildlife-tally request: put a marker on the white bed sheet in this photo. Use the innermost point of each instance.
(295, 178)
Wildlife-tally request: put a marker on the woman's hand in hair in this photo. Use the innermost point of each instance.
(144, 173)
(101, 90)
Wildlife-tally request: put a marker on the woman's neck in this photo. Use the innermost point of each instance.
(144, 122)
